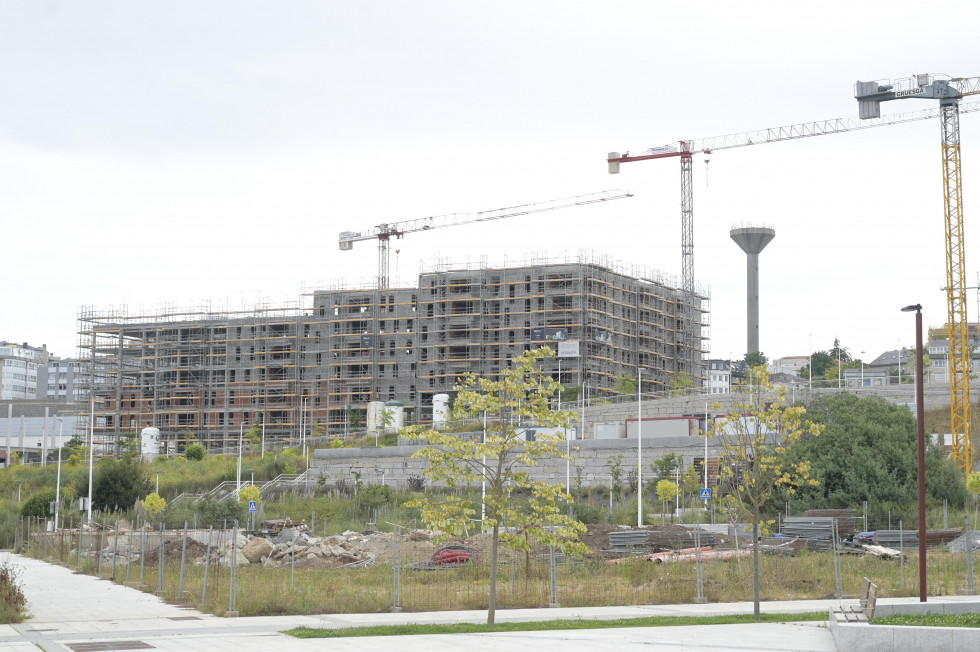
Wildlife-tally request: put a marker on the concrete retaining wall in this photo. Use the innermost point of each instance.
(394, 464)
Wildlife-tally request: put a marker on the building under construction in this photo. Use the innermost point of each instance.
(313, 368)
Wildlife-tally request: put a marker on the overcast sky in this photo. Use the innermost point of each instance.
(177, 153)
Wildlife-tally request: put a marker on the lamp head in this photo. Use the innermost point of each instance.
(913, 308)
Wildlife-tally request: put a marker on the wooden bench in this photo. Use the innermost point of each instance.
(862, 610)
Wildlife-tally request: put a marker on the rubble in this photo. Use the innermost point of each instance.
(969, 541)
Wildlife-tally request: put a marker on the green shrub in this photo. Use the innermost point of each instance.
(195, 452)
(374, 495)
(118, 485)
(39, 504)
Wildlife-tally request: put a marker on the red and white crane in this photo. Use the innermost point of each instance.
(686, 149)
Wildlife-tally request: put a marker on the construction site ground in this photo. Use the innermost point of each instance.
(419, 545)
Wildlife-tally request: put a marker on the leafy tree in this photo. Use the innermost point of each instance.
(571, 394)
(387, 418)
(355, 418)
(39, 504)
(517, 505)
(118, 485)
(253, 436)
(681, 384)
(666, 491)
(751, 442)
(973, 484)
(625, 384)
(756, 359)
(820, 362)
(839, 352)
(248, 494)
(374, 495)
(616, 476)
(664, 466)
(867, 451)
(211, 511)
(154, 504)
(195, 452)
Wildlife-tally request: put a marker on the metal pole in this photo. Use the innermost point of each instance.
(970, 589)
(233, 588)
(115, 549)
(91, 452)
(129, 556)
(57, 484)
(101, 547)
(207, 562)
(639, 447)
(921, 427)
(160, 555)
(143, 534)
(901, 547)
(183, 559)
(396, 589)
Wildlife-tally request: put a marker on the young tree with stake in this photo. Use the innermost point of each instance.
(501, 460)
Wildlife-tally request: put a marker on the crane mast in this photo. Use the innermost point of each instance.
(385, 231)
(948, 91)
(685, 149)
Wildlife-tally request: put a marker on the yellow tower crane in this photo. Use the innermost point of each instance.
(949, 91)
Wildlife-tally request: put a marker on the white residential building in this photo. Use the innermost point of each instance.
(718, 376)
(20, 365)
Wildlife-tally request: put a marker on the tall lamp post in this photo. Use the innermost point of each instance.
(639, 447)
(57, 486)
(241, 436)
(921, 428)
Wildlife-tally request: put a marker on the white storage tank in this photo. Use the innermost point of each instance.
(374, 415)
(397, 411)
(150, 443)
(440, 409)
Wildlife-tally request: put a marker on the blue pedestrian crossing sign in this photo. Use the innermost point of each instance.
(706, 493)
(252, 506)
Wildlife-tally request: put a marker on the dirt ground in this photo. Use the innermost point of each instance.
(416, 546)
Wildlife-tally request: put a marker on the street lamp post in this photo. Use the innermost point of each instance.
(241, 436)
(158, 482)
(639, 447)
(57, 486)
(921, 427)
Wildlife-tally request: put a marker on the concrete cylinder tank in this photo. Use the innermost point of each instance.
(396, 413)
(374, 415)
(150, 443)
(440, 409)
(752, 240)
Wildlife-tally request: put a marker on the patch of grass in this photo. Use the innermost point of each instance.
(477, 628)
(930, 620)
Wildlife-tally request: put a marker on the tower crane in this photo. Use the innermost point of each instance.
(949, 91)
(686, 149)
(385, 231)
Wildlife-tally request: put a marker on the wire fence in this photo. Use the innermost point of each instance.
(291, 569)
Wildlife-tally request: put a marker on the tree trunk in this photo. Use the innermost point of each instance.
(494, 544)
(755, 563)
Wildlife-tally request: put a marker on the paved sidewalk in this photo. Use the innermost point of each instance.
(70, 610)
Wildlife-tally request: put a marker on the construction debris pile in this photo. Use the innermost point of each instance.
(296, 545)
